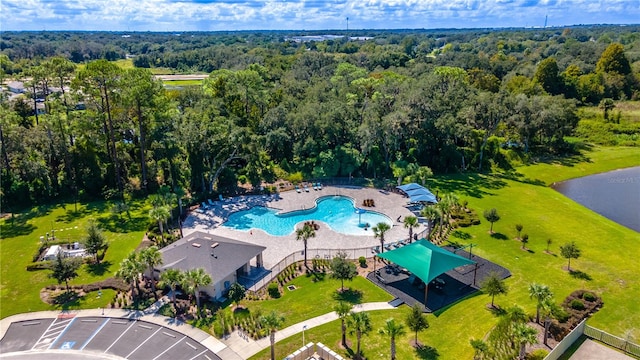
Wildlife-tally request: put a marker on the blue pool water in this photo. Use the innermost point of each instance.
(336, 211)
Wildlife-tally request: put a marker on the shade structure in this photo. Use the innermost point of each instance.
(360, 211)
(418, 193)
(411, 186)
(425, 260)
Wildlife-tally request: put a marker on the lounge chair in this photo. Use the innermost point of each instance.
(297, 189)
(220, 197)
(319, 186)
(205, 206)
(315, 188)
(211, 203)
(306, 188)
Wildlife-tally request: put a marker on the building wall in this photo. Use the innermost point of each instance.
(216, 289)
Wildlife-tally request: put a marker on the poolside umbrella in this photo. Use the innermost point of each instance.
(360, 211)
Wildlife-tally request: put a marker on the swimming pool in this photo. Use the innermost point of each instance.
(336, 211)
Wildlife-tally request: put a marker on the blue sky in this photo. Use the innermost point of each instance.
(205, 15)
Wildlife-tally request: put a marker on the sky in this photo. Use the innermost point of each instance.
(214, 15)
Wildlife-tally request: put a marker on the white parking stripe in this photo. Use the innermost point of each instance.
(199, 354)
(94, 334)
(121, 335)
(142, 343)
(176, 343)
(64, 330)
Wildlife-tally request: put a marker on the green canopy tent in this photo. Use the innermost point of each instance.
(425, 260)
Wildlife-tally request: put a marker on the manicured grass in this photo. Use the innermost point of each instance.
(311, 299)
(20, 290)
(597, 160)
(608, 265)
(182, 82)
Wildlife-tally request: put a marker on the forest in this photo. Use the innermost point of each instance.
(368, 104)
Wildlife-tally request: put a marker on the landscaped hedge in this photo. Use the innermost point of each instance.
(579, 305)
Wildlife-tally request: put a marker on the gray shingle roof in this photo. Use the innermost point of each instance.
(196, 251)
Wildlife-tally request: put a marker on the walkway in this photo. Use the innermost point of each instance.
(247, 347)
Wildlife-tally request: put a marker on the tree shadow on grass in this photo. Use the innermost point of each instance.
(474, 185)
(580, 275)
(348, 295)
(499, 236)
(67, 300)
(461, 235)
(99, 269)
(15, 227)
(427, 352)
(117, 224)
(496, 310)
(516, 176)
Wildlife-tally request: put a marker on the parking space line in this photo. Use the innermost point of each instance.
(205, 350)
(176, 343)
(31, 323)
(142, 343)
(94, 334)
(168, 334)
(121, 335)
(191, 346)
(62, 332)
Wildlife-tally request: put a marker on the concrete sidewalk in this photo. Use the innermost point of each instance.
(246, 347)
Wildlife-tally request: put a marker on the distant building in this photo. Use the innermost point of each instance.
(222, 258)
(16, 87)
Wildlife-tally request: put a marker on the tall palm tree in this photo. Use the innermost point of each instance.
(343, 309)
(540, 293)
(524, 335)
(180, 194)
(360, 323)
(304, 234)
(379, 231)
(393, 330)
(193, 280)
(151, 257)
(172, 278)
(272, 321)
(432, 214)
(411, 222)
(129, 271)
(160, 214)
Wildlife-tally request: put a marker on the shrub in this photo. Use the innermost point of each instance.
(577, 304)
(589, 297)
(273, 290)
(363, 261)
(538, 354)
(42, 265)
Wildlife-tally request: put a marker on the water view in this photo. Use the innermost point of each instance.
(615, 195)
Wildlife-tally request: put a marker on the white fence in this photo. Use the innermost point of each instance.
(566, 343)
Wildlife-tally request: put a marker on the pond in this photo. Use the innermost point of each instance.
(615, 195)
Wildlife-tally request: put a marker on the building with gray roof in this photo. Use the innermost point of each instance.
(224, 259)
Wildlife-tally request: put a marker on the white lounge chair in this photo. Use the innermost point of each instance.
(297, 189)
(306, 188)
(319, 186)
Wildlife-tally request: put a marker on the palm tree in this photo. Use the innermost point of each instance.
(172, 278)
(360, 323)
(343, 309)
(524, 335)
(480, 348)
(193, 280)
(129, 271)
(378, 233)
(393, 330)
(152, 257)
(411, 222)
(272, 321)
(160, 214)
(304, 234)
(432, 214)
(541, 294)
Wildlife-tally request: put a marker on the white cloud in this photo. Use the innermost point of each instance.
(180, 15)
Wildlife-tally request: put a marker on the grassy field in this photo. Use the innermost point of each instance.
(608, 265)
(20, 290)
(182, 82)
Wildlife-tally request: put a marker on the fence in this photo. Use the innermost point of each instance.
(327, 254)
(596, 334)
(613, 341)
(566, 343)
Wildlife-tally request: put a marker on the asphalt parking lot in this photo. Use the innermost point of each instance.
(119, 337)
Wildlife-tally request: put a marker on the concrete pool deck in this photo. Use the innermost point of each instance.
(278, 247)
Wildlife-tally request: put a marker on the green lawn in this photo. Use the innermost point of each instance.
(182, 82)
(20, 290)
(608, 264)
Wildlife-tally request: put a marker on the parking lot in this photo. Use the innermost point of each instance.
(97, 336)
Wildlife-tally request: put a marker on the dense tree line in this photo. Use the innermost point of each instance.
(392, 106)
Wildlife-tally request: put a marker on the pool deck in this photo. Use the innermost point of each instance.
(278, 247)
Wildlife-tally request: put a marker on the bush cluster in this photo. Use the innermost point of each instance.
(579, 305)
(273, 290)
